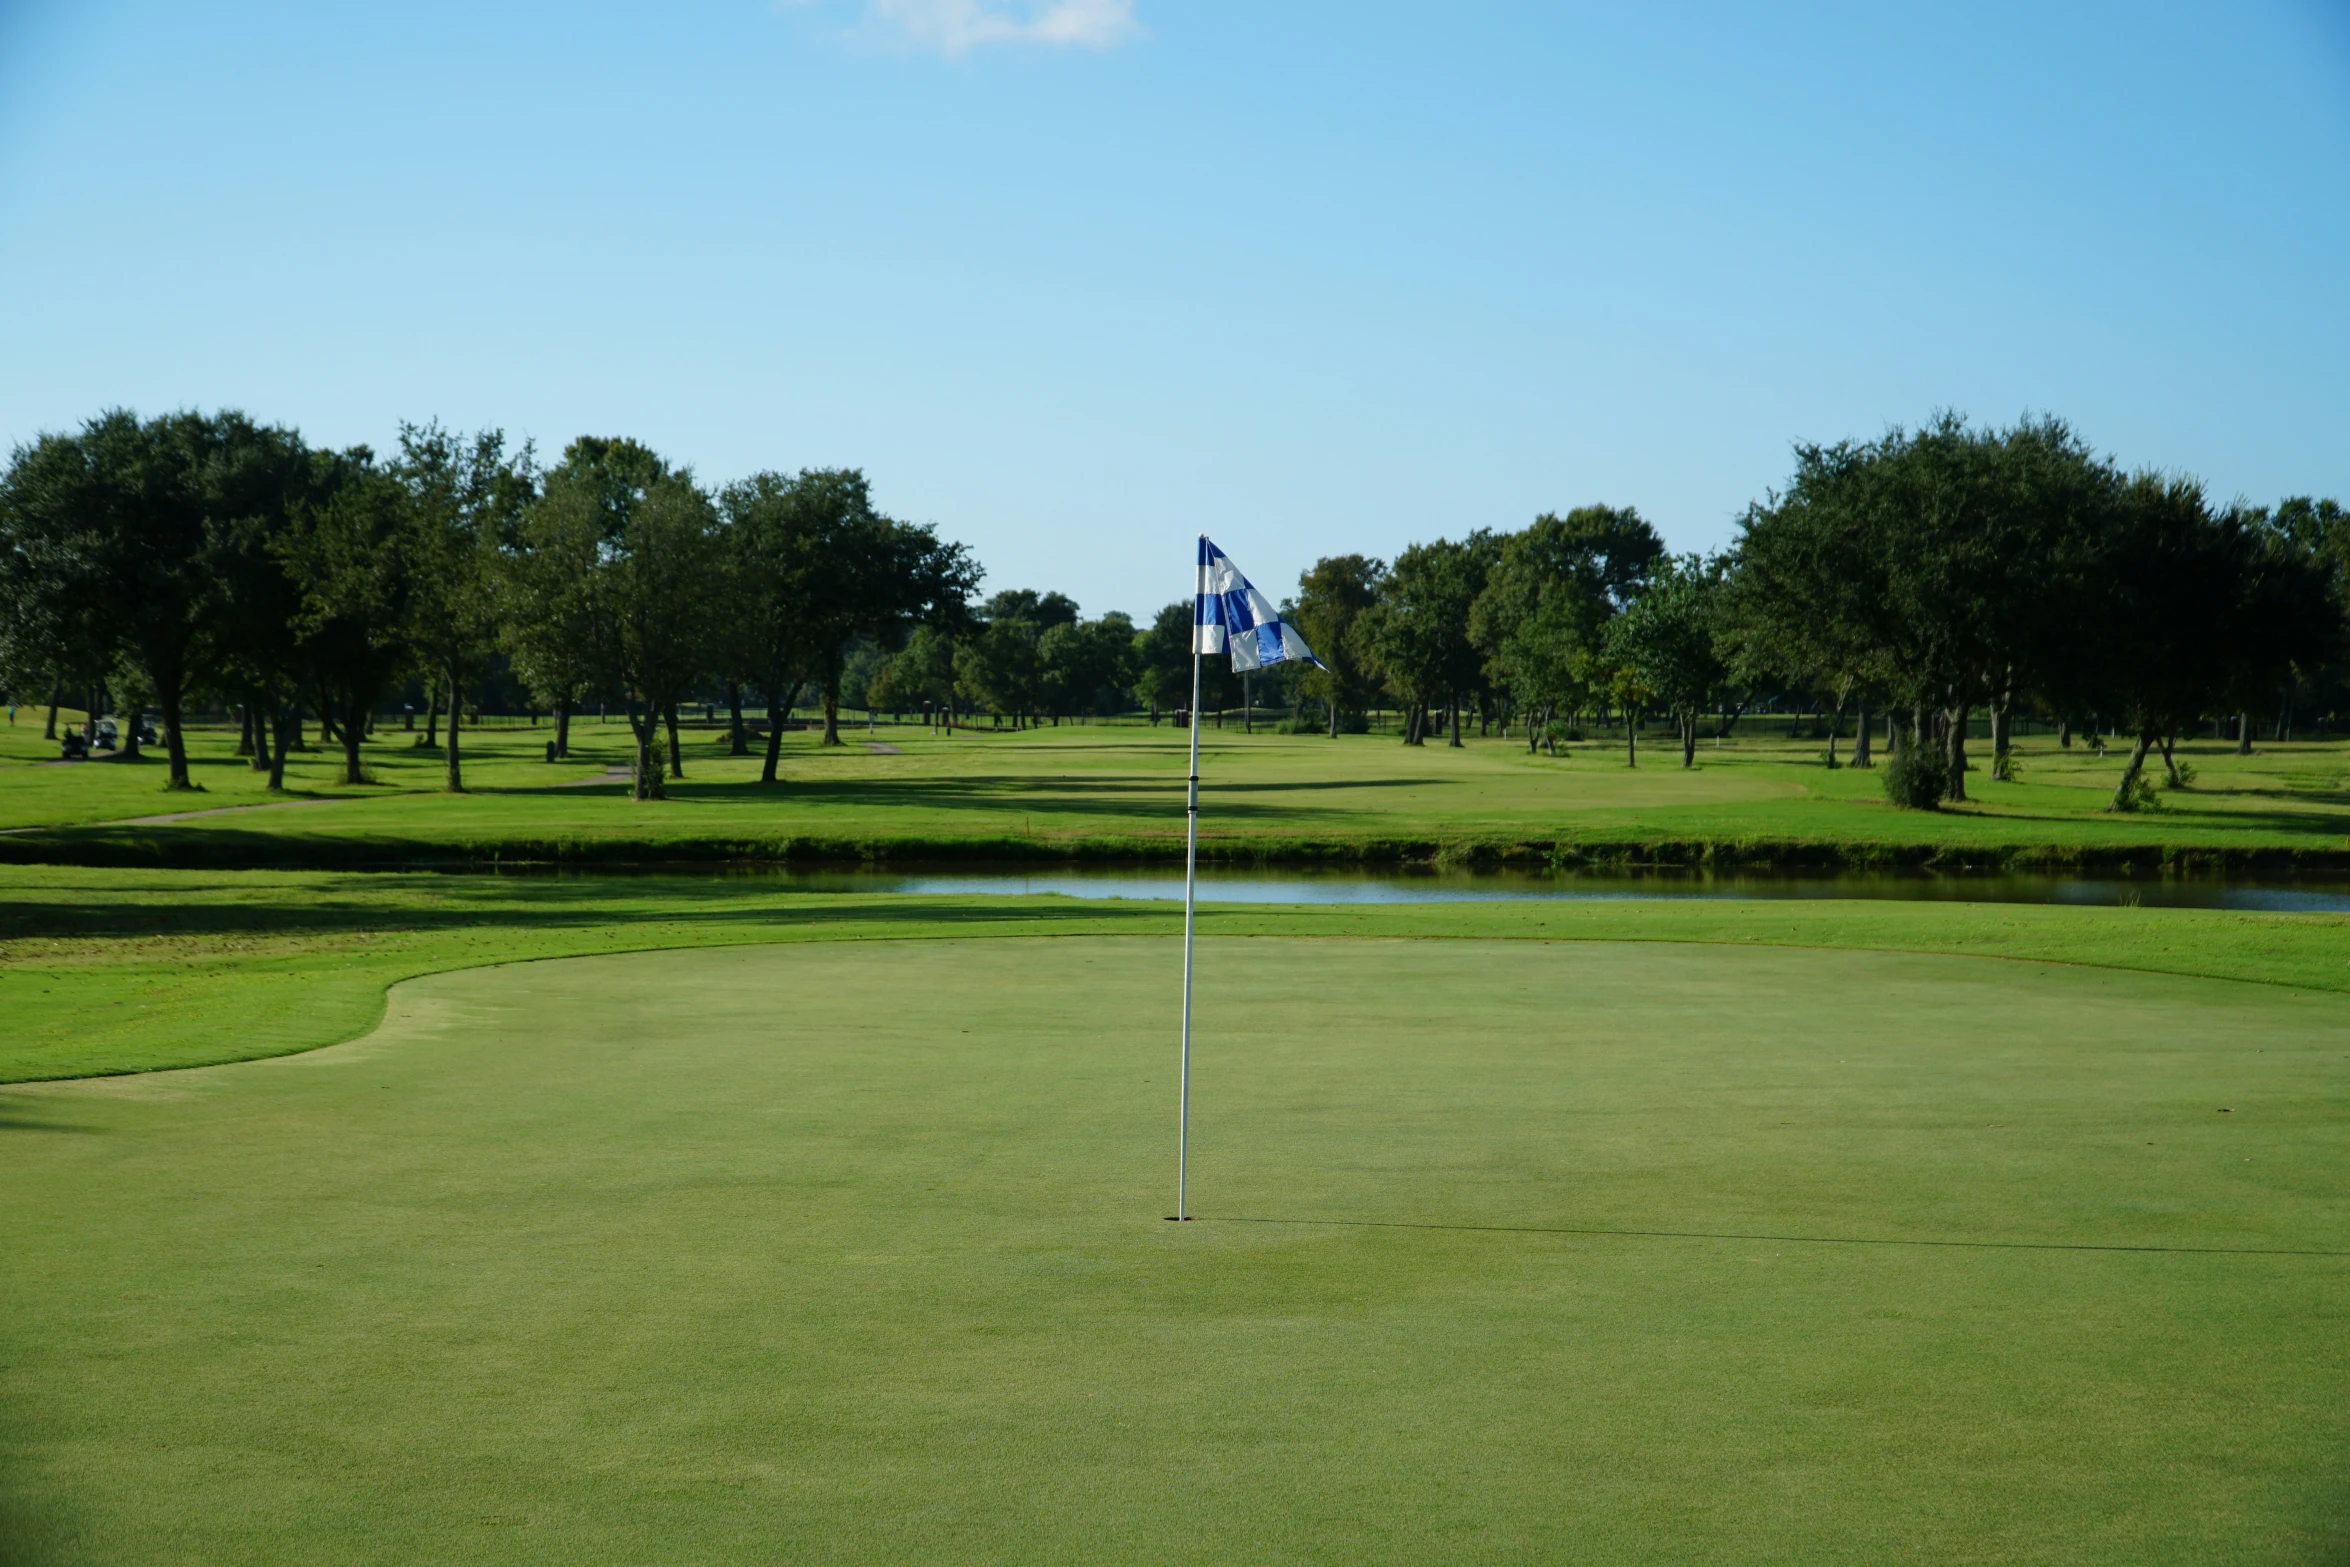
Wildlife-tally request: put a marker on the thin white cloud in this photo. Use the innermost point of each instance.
(955, 27)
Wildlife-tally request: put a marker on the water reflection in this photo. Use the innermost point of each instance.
(1337, 886)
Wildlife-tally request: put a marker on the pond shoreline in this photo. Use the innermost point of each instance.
(229, 848)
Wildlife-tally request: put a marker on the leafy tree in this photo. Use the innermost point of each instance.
(347, 557)
(1084, 666)
(1937, 562)
(545, 592)
(1551, 591)
(263, 634)
(1417, 635)
(464, 500)
(627, 548)
(922, 673)
(1333, 595)
(1162, 666)
(2183, 607)
(1664, 641)
(119, 520)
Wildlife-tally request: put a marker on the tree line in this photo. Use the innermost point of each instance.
(1929, 576)
(1923, 578)
(197, 553)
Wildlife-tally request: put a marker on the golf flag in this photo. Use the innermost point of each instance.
(1233, 617)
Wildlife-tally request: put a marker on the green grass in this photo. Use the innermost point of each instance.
(125, 971)
(1514, 1249)
(1116, 791)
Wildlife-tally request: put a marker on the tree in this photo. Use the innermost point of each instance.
(1553, 587)
(263, 643)
(464, 500)
(119, 520)
(2184, 607)
(1332, 596)
(1084, 666)
(922, 673)
(1664, 643)
(347, 557)
(628, 546)
(827, 570)
(546, 605)
(1937, 562)
(1417, 635)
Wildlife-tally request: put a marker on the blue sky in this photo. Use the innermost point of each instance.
(1076, 279)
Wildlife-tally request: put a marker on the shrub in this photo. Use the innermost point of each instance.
(2182, 777)
(2137, 795)
(1916, 778)
(2005, 768)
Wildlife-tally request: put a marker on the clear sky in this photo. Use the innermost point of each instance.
(1076, 279)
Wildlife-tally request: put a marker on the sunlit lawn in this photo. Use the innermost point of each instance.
(1511, 1251)
(1122, 783)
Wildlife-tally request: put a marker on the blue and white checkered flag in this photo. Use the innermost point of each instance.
(1233, 617)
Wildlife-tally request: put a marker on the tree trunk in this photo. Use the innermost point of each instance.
(562, 729)
(286, 718)
(1954, 748)
(244, 729)
(432, 718)
(56, 691)
(669, 719)
(1453, 702)
(2170, 763)
(1689, 739)
(779, 702)
(2123, 791)
(1999, 721)
(264, 708)
(175, 744)
(1333, 705)
(2064, 734)
(353, 727)
(453, 776)
(2243, 734)
(1631, 740)
(2285, 717)
(1836, 723)
(644, 722)
(739, 743)
(1860, 736)
(832, 710)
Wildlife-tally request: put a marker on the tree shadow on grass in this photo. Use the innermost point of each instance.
(510, 905)
(1135, 798)
(2308, 824)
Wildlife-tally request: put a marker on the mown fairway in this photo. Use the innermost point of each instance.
(848, 1252)
(1117, 789)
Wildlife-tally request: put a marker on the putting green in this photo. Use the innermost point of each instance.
(1510, 1251)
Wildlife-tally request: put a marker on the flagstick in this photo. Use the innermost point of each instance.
(1190, 876)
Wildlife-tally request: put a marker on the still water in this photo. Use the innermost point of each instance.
(1338, 886)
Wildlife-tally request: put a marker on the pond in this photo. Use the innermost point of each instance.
(1226, 885)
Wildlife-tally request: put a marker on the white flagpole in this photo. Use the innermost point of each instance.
(1190, 877)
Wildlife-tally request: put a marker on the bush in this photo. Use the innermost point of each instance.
(1916, 778)
(2182, 777)
(2005, 768)
(2137, 795)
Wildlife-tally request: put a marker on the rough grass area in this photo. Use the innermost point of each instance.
(1511, 1251)
(128, 971)
(1115, 791)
